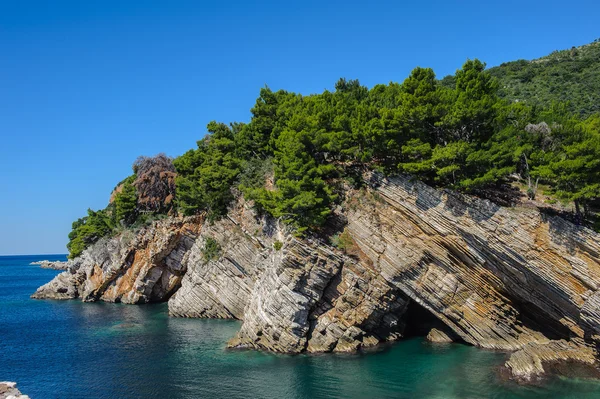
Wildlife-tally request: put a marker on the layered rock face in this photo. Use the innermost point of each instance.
(500, 278)
(131, 268)
(221, 287)
(292, 295)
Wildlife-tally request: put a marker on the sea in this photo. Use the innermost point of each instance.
(70, 349)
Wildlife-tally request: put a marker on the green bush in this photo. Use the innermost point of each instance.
(343, 241)
(211, 249)
(88, 230)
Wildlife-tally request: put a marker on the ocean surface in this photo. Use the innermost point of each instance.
(70, 349)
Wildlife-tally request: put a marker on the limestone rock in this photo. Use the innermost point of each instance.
(500, 278)
(293, 281)
(8, 390)
(358, 309)
(221, 287)
(129, 268)
(56, 265)
(528, 363)
(440, 336)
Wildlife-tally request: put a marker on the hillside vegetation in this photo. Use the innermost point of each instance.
(566, 76)
(569, 76)
(297, 153)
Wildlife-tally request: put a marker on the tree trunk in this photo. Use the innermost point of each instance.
(578, 217)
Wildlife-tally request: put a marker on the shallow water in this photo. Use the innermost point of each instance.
(68, 349)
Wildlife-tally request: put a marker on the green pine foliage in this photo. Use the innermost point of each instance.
(458, 133)
(206, 175)
(125, 203)
(573, 166)
(466, 132)
(303, 198)
(88, 230)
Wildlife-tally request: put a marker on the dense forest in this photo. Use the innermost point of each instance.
(294, 158)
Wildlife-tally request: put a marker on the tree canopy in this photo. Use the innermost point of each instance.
(297, 152)
(150, 191)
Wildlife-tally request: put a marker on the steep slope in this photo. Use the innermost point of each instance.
(569, 75)
(500, 278)
(484, 270)
(141, 267)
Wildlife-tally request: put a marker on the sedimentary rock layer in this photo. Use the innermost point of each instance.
(501, 278)
(498, 277)
(133, 267)
(220, 287)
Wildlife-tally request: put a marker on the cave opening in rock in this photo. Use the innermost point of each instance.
(420, 321)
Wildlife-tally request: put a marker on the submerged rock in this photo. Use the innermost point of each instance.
(500, 278)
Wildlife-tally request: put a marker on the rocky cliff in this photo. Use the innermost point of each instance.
(500, 278)
(133, 267)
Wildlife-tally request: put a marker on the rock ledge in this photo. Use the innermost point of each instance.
(55, 265)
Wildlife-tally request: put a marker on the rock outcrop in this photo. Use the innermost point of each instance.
(220, 287)
(527, 364)
(141, 267)
(500, 278)
(295, 296)
(8, 390)
(440, 336)
(55, 265)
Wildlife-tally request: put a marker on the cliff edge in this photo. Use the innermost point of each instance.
(501, 278)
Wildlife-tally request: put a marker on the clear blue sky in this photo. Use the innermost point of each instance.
(87, 86)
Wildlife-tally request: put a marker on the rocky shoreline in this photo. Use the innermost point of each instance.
(8, 390)
(55, 265)
(500, 278)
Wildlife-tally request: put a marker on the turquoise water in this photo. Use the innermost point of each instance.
(68, 349)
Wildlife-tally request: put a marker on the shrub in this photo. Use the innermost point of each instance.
(88, 230)
(154, 183)
(211, 249)
(343, 241)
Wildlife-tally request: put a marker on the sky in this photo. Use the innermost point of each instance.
(87, 86)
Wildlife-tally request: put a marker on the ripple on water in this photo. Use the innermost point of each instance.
(69, 349)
